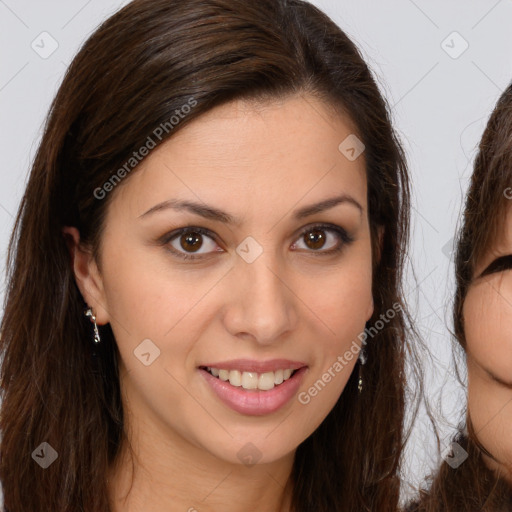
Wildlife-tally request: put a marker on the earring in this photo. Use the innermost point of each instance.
(362, 361)
(89, 313)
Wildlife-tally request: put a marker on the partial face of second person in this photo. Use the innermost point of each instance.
(488, 329)
(285, 281)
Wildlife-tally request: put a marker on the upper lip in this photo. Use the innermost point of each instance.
(250, 365)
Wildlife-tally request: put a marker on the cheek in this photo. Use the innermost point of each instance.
(488, 328)
(490, 409)
(147, 292)
(342, 302)
(158, 310)
(344, 297)
(344, 305)
(488, 325)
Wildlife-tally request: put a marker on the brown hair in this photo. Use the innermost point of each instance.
(486, 202)
(131, 75)
(473, 486)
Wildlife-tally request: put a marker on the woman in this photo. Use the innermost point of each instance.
(213, 228)
(477, 475)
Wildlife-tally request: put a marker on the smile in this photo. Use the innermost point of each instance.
(252, 380)
(254, 388)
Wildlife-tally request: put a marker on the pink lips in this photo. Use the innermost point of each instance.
(255, 402)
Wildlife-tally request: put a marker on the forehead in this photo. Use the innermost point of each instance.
(281, 152)
(499, 240)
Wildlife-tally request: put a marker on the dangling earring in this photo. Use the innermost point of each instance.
(362, 361)
(88, 312)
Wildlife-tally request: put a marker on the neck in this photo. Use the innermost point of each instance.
(168, 481)
(157, 469)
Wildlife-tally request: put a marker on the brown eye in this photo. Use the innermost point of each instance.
(187, 241)
(324, 239)
(191, 241)
(315, 239)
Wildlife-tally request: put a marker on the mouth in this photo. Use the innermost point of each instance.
(254, 388)
(252, 381)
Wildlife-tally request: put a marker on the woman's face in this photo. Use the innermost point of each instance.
(488, 328)
(280, 280)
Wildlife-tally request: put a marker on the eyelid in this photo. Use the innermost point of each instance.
(170, 236)
(341, 232)
(344, 237)
(498, 265)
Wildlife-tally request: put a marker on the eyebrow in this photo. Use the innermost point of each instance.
(209, 212)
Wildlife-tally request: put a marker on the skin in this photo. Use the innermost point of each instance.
(488, 327)
(259, 162)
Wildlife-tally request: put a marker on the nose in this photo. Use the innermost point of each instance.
(262, 304)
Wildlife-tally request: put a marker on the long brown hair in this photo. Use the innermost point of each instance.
(135, 71)
(473, 486)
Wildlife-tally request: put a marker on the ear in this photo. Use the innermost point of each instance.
(87, 275)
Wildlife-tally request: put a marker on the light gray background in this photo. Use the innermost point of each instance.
(440, 105)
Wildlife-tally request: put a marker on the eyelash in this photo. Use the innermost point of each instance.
(345, 238)
(498, 265)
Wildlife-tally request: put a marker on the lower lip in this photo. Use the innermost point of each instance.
(255, 402)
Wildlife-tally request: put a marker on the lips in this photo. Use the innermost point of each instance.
(254, 387)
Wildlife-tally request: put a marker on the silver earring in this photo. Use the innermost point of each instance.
(362, 361)
(89, 313)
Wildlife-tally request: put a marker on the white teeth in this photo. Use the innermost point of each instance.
(278, 377)
(266, 381)
(249, 380)
(252, 380)
(235, 378)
